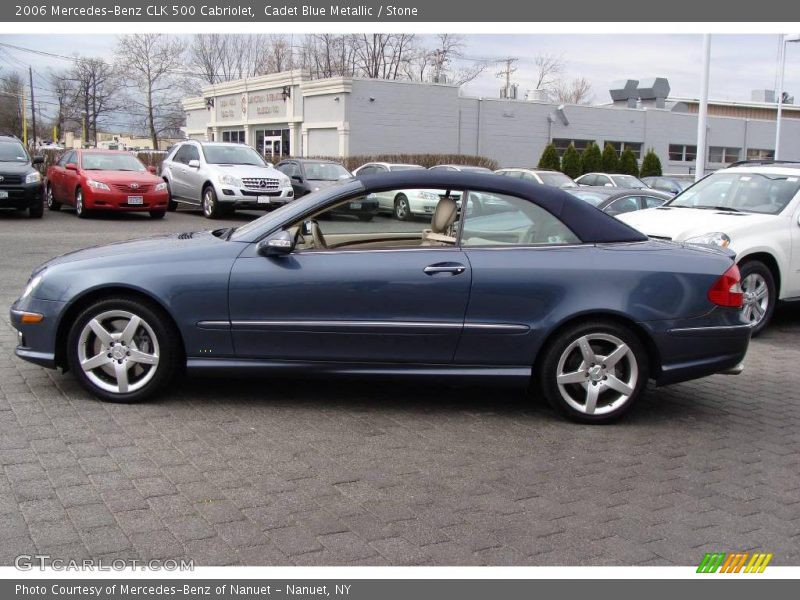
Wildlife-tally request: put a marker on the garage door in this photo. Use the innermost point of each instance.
(323, 142)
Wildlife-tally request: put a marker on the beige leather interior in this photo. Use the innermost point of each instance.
(441, 223)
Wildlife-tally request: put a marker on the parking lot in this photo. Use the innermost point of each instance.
(316, 473)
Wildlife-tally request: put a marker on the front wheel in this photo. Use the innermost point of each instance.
(402, 208)
(80, 209)
(211, 207)
(593, 372)
(122, 350)
(760, 294)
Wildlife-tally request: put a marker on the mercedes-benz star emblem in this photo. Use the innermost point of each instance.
(263, 183)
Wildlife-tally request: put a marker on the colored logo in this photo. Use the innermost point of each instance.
(734, 562)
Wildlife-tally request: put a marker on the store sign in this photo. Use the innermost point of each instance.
(266, 104)
(229, 107)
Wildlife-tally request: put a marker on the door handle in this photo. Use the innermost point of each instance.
(452, 268)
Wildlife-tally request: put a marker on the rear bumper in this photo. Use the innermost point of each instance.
(22, 196)
(691, 352)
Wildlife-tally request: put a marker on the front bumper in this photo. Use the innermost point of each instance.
(22, 196)
(102, 200)
(254, 199)
(36, 342)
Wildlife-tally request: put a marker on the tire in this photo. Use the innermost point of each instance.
(576, 362)
(365, 218)
(402, 209)
(80, 210)
(172, 206)
(36, 210)
(51, 201)
(211, 207)
(106, 322)
(157, 214)
(760, 294)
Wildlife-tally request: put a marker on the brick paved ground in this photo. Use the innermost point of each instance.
(320, 474)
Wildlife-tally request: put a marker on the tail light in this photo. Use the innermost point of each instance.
(727, 290)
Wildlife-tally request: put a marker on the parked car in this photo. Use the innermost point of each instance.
(672, 184)
(611, 180)
(20, 182)
(540, 176)
(312, 175)
(562, 294)
(108, 180)
(403, 204)
(461, 168)
(617, 201)
(220, 177)
(753, 210)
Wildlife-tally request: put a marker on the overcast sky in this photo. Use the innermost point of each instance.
(740, 63)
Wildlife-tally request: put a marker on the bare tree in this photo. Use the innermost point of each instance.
(95, 90)
(444, 61)
(63, 89)
(147, 63)
(549, 68)
(11, 94)
(575, 91)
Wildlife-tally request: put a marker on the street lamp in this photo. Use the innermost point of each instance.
(786, 40)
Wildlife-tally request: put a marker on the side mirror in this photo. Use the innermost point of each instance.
(38, 160)
(297, 178)
(194, 163)
(279, 244)
(151, 169)
(71, 167)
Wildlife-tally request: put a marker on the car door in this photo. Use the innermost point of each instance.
(358, 303)
(56, 178)
(176, 169)
(71, 177)
(193, 177)
(294, 172)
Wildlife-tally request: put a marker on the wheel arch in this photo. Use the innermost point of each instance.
(653, 355)
(93, 295)
(769, 261)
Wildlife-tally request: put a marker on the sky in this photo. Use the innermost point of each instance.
(739, 62)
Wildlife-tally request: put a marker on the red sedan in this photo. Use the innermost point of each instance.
(92, 180)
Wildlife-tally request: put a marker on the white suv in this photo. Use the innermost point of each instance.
(221, 177)
(753, 209)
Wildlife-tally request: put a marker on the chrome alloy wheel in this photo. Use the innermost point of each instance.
(79, 202)
(208, 202)
(118, 351)
(49, 196)
(597, 374)
(756, 298)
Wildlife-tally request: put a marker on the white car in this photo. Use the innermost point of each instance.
(540, 176)
(403, 204)
(611, 180)
(752, 209)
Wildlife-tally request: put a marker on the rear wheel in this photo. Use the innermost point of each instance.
(211, 207)
(123, 350)
(760, 294)
(593, 372)
(50, 199)
(402, 208)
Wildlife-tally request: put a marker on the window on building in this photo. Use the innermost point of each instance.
(760, 154)
(635, 147)
(722, 154)
(236, 137)
(562, 144)
(682, 152)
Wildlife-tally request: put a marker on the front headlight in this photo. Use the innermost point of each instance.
(717, 238)
(34, 177)
(427, 195)
(97, 185)
(160, 187)
(230, 180)
(33, 283)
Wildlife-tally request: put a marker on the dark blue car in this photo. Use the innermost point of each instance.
(543, 287)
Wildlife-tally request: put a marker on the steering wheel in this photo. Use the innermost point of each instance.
(316, 234)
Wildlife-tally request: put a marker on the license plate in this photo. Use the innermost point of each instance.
(135, 200)
(355, 205)
(264, 199)
(3, 195)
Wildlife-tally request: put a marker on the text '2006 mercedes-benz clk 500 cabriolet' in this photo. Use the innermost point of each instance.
(508, 282)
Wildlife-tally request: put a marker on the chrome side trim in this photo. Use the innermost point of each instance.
(711, 329)
(483, 327)
(502, 327)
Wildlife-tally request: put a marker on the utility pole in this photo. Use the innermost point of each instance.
(507, 73)
(33, 107)
(702, 117)
(24, 118)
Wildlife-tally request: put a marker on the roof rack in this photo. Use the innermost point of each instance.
(763, 161)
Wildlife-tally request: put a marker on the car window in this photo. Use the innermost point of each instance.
(290, 169)
(652, 201)
(588, 180)
(366, 170)
(514, 174)
(502, 220)
(321, 171)
(623, 205)
(186, 153)
(746, 192)
(628, 181)
(72, 159)
(62, 162)
(362, 223)
(529, 177)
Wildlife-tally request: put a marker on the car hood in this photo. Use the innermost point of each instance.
(248, 171)
(140, 177)
(683, 223)
(15, 168)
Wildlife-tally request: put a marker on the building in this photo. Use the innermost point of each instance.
(290, 114)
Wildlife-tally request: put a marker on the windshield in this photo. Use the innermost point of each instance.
(592, 198)
(326, 171)
(404, 167)
(747, 192)
(557, 180)
(111, 162)
(629, 181)
(232, 155)
(12, 152)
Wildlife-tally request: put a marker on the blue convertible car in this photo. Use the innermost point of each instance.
(509, 281)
